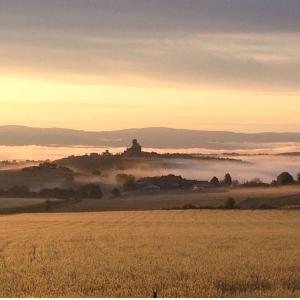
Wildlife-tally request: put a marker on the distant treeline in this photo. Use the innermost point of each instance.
(89, 191)
(178, 182)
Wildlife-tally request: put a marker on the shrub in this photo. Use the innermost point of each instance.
(128, 181)
(230, 203)
(215, 181)
(274, 183)
(89, 191)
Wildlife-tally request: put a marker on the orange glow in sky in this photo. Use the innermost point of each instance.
(200, 65)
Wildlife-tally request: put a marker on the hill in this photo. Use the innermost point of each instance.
(154, 137)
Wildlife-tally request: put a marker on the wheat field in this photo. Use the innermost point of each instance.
(179, 253)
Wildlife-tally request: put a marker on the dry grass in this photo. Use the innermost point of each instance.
(19, 202)
(180, 253)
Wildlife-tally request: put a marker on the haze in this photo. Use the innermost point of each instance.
(101, 65)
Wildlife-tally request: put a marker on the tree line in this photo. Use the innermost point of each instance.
(88, 191)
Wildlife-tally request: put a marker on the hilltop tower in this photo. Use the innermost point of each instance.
(135, 150)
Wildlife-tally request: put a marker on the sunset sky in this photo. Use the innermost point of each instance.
(113, 64)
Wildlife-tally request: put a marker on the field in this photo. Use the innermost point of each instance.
(19, 202)
(18, 205)
(179, 253)
(211, 197)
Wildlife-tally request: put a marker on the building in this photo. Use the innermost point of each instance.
(106, 153)
(135, 150)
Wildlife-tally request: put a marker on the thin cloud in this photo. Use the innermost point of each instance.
(189, 43)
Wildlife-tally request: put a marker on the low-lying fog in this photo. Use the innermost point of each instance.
(265, 167)
(52, 153)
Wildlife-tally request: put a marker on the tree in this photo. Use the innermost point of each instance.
(298, 177)
(215, 181)
(228, 179)
(89, 191)
(128, 181)
(285, 178)
(230, 203)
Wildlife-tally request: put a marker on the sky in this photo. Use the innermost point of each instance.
(113, 64)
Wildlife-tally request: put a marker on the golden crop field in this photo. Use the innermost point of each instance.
(179, 253)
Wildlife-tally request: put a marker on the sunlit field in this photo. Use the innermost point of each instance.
(178, 253)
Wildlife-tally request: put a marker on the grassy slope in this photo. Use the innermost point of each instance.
(181, 253)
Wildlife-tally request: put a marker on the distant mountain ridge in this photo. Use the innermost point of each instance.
(152, 137)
